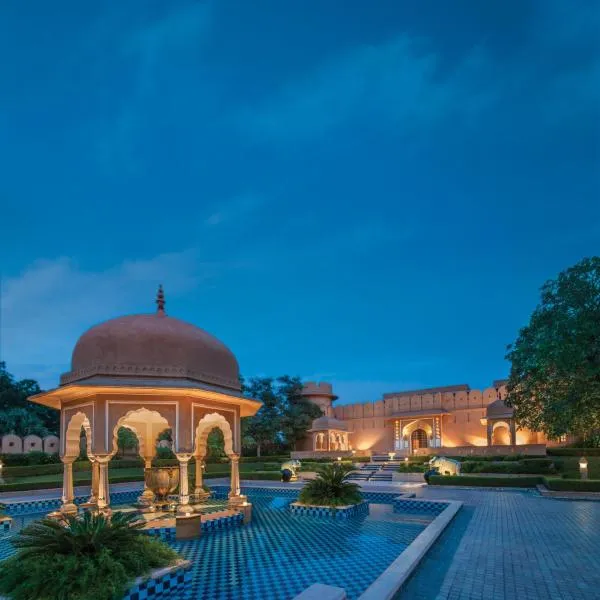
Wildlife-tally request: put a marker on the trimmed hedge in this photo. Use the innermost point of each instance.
(573, 485)
(465, 480)
(78, 466)
(30, 458)
(573, 452)
(530, 466)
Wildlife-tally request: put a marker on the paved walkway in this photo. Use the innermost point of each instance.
(511, 545)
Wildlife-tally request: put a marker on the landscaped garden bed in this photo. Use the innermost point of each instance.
(88, 558)
(330, 494)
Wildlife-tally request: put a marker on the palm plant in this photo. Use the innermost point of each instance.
(331, 487)
(77, 536)
(92, 557)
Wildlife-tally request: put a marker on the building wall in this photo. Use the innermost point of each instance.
(13, 444)
(461, 425)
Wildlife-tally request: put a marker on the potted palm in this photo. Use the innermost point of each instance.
(330, 493)
(92, 557)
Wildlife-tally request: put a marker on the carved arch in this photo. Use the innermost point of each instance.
(129, 418)
(206, 424)
(73, 434)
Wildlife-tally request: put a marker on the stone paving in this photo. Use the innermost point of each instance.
(511, 545)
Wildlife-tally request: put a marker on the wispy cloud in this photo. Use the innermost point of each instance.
(397, 81)
(45, 308)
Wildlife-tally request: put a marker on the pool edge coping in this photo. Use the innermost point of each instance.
(393, 578)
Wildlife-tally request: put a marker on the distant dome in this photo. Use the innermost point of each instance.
(498, 409)
(323, 423)
(153, 345)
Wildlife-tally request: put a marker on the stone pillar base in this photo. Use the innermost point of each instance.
(68, 509)
(184, 510)
(246, 510)
(235, 501)
(198, 497)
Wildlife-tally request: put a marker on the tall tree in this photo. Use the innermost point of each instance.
(285, 415)
(21, 422)
(264, 427)
(126, 440)
(14, 394)
(554, 383)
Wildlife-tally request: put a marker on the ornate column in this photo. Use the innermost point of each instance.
(235, 493)
(184, 493)
(103, 489)
(198, 480)
(68, 496)
(490, 433)
(147, 497)
(95, 481)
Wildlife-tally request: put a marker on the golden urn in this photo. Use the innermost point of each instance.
(162, 481)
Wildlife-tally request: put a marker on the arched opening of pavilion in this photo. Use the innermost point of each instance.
(148, 373)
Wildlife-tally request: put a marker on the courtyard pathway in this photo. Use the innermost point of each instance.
(511, 545)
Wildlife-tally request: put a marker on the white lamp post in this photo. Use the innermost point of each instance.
(583, 467)
(391, 455)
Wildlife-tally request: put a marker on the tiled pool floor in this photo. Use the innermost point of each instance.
(279, 554)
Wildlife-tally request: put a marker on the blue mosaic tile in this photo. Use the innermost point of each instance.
(278, 554)
(332, 513)
(173, 583)
(419, 506)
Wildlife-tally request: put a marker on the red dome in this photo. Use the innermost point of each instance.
(153, 345)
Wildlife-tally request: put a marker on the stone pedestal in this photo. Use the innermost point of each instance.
(236, 501)
(188, 527)
(246, 510)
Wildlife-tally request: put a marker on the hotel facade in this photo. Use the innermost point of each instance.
(451, 420)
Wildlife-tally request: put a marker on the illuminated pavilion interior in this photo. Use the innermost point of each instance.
(148, 372)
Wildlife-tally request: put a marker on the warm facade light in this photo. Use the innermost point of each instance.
(583, 467)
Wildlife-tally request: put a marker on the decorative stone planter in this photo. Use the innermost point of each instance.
(338, 512)
(161, 582)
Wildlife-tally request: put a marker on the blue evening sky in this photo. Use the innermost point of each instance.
(369, 193)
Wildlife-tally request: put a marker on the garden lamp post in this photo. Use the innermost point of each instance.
(583, 467)
(1, 465)
(391, 455)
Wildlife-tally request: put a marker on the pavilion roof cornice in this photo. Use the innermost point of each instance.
(63, 395)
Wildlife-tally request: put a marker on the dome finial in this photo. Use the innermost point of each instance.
(160, 300)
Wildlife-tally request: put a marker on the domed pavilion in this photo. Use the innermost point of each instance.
(148, 373)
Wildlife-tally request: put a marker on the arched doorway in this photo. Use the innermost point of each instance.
(501, 435)
(418, 439)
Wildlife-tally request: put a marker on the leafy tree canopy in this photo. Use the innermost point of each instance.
(554, 383)
(284, 416)
(13, 396)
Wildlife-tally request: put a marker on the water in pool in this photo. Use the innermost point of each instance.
(279, 554)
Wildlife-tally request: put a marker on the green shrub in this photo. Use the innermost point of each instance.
(31, 458)
(573, 485)
(465, 480)
(164, 453)
(82, 558)
(531, 466)
(331, 487)
(412, 468)
(573, 452)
